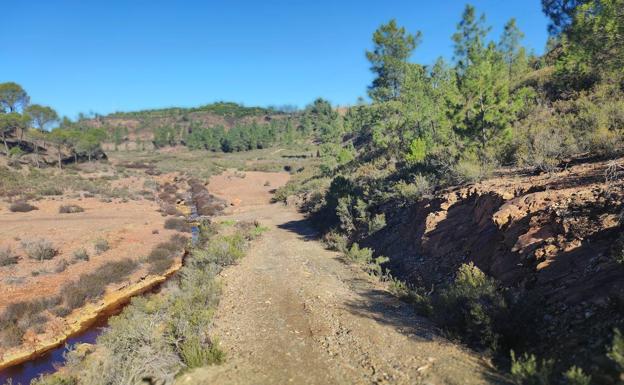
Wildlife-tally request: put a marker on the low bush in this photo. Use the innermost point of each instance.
(81, 255)
(61, 266)
(616, 351)
(21, 207)
(70, 209)
(576, 376)
(101, 245)
(93, 285)
(39, 249)
(11, 335)
(471, 308)
(50, 190)
(526, 370)
(195, 354)
(178, 224)
(7, 257)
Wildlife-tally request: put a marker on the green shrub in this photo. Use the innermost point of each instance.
(576, 376)
(21, 207)
(358, 255)
(471, 308)
(195, 354)
(101, 245)
(39, 249)
(412, 192)
(70, 209)
(376, 223)
(336, 241)
(616, 351)
(50, 191)
(526, 370)
(81, 255)
(7, 257)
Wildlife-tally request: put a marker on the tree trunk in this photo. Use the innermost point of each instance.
(60, 165)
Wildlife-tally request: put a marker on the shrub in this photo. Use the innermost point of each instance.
(50, 190)
(7, 256)
(358, 255)
(576, 376)
(70, 209)
(376, 223)
(226, 250)
(616, 351)
(81, 255)
(161, 257)
(335, 241)
(101, 245)
(61, 266)
(526, 370)
(21, 207)
(179, 224)
(11, 335)
(195, 354)
(471, 308)
(170, 209)
(39, 249)
(93, 285)
(411, 192)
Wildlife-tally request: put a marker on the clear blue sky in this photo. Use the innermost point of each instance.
(121, 55)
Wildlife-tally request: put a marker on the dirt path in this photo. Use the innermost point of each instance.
(293, 313)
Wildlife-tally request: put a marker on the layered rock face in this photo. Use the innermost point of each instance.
(556, 238)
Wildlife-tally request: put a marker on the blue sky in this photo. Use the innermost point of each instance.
(122, 55)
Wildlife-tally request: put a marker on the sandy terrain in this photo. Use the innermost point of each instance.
(292, 312)
(246, 189)
(128, 227)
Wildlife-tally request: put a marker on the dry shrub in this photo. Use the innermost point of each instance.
(179, 224)
(101, 245)
(7, 257)
(21, 207)
(81, 255)
(93, 285)
(70, 209)
(39, 249)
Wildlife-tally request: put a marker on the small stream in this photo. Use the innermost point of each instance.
(48, 362)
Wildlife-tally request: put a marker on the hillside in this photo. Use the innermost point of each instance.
(171, 126)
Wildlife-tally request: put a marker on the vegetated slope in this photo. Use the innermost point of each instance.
(292, 312)
(554, 240)
(171, 126)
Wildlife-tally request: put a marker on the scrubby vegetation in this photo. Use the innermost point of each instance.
(21, 207)
(39, 249)
(162, 335)
(179, 224)
(70, 209)
(437, 125)
(7, 256)
(91, 286)
(101, 245)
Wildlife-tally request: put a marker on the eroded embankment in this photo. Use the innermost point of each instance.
(83, 318)
(553, 240)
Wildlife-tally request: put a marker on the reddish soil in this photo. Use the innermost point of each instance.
(127, 226)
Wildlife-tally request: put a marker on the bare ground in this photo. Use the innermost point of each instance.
(293, 312)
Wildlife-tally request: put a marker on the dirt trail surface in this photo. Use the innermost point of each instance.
(293, 313)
